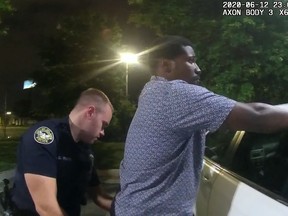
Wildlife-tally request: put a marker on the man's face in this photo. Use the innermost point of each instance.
(185, 67)
(96, 123)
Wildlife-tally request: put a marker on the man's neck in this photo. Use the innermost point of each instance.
(74, 130)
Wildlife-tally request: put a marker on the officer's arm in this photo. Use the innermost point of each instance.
(100, 197)
(257, 117)
(43, 191)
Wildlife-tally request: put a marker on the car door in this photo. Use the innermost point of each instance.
(231, 196)
(214, 156)
(254, 181)
(209, 173)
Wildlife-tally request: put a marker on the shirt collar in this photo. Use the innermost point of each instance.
(158, 78)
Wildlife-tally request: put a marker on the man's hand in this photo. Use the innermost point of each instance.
(100, 198)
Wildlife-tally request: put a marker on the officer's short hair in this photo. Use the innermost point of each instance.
(166, 47)
(94, 95)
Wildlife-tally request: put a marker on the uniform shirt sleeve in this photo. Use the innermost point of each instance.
(39, 156)
(197, 108)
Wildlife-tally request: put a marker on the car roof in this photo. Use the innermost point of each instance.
(283, 106)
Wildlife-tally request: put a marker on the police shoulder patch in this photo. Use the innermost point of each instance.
(44, 135)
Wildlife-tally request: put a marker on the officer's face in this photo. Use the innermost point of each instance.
(97, 123)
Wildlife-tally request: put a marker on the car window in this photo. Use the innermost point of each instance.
(217, 145)
(263, 159)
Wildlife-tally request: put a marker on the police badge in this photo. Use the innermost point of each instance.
(44, 135)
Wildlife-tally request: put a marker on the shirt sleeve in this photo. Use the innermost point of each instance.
(197, 108)
(38, 151)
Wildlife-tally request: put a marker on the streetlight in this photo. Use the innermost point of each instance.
(128, 58)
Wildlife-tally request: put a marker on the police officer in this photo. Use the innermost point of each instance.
(55, 164)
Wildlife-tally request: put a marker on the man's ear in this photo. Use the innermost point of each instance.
(91, 111)
(167, 65)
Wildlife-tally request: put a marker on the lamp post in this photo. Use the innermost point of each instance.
(5, 115)
(128, 58)
(6, 121)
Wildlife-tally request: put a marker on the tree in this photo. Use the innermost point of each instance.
(250, 51)
(122, 117)
(82, 53)
(22, 108)
(5, 9)
(238, 55)
(72, 60)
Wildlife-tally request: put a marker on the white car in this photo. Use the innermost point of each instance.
(246, 175)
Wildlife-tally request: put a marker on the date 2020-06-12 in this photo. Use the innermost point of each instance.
(236, 8)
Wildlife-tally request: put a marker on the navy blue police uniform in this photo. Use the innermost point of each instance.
(48, 149)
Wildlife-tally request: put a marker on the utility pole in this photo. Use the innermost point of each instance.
(5, 117)
(128, 58)
(126, 73)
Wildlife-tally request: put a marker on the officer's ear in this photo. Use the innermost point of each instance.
(91, 111)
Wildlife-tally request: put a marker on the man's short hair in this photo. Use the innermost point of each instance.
(167, 47)
(93, 95)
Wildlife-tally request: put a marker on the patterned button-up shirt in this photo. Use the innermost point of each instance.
(164, 149)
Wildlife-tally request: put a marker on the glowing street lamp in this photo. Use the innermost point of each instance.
(128, 58)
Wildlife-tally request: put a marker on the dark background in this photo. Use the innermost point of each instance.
(34, 20)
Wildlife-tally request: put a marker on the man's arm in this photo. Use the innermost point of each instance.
(100, 197)
(43, 190)
(257, 117)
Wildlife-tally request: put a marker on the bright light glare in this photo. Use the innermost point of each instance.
(29, 84)
(8, 113)
(129, 58)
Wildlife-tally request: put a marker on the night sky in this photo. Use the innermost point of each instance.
(30, 23)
